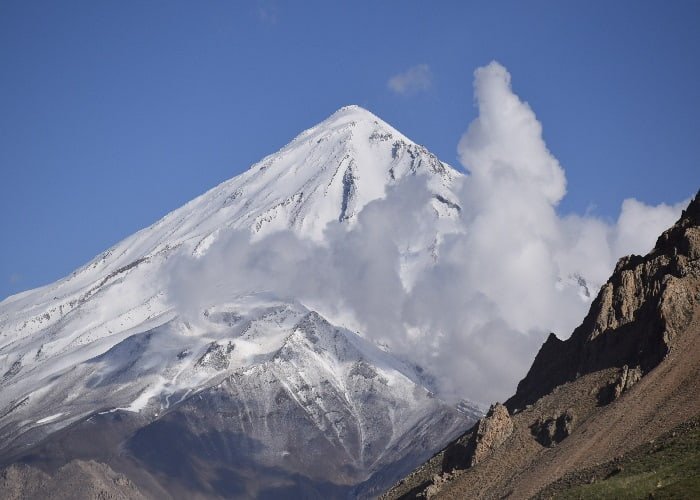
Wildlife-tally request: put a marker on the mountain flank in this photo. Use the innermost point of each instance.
(594, 405)
(123, 381)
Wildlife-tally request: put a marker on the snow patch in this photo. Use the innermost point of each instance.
(50, 418)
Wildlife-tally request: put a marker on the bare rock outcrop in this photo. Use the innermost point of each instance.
(491, 432)
(216, 356)
(75, 480)
(627, 378)
(621, 383)
(476, 446)
(552, 430)
(633, 321)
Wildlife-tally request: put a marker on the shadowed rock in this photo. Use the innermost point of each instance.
(553, 430)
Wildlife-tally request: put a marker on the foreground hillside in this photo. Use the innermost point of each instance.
(612, 411)
(666, 467)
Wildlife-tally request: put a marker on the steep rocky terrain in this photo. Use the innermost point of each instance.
(320, 413)
(628, 374)
(76, 479)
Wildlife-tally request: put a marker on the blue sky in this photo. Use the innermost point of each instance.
(113, 114)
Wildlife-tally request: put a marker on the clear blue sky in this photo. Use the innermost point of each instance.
(114, 113)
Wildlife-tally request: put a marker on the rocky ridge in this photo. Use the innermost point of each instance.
(626, 375)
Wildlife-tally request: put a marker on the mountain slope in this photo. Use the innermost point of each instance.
(328, 173)
(629, 374)
(283, 393)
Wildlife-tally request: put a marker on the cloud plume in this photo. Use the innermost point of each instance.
(476, 316)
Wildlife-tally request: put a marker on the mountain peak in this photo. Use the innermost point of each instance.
(355, 110)
(354, 113)
(353, 118)
(330, 172)
(326, 175)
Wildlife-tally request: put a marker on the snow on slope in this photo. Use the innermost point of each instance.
(77, 345)
(329, 172)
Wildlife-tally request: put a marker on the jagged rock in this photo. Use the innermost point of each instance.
(627, 378)
(491, 432)
(78, 479)
(553, 430)
(624, 380)
(438, 481)
(633, 321)
(216, 357)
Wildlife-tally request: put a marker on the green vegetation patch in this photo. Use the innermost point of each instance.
(668, 467)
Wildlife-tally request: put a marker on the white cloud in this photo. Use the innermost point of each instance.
(503, 148)
(639, 225)
(415, 79)
(477, 317)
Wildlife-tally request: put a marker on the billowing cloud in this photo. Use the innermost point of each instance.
(415, 79)
(503, 148)
(476, 317)
(639, 225)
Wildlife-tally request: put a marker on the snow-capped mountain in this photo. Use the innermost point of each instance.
(327, 173)
(287, 389)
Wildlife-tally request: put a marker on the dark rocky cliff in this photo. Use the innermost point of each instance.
(632, 322)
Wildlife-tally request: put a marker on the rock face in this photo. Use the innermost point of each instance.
(216, 357)
(76, 479)
(620, 383)
(552, 430)
(491, 432)
(627, 375)
(633, 321)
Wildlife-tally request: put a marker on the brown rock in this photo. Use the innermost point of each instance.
(633, 321)
(491, 432)
(553, 430)
(628, 377)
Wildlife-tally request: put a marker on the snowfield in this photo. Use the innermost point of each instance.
(109, 337)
